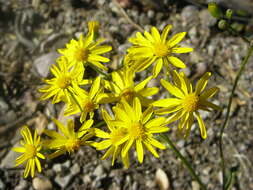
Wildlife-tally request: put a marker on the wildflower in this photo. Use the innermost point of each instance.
(122, 86)
(68, 140)
(132, 127)
(86, 52)
(65, 82)
(115, 135)
(153, 47)
(187, 102)
(84, 102)
(31, 152)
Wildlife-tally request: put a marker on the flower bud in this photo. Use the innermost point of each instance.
(214, 10)
(93, 26)
(229, 13)
(222, 24)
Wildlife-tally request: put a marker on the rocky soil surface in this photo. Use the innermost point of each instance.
(31, 32)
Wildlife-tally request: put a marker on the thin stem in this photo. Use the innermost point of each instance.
(244, 62)
(99, 124)
(73, 96)
(184, 161)
(107, 76)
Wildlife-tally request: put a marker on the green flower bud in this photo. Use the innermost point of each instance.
(229, 13)
(214, 10)
(222, 24)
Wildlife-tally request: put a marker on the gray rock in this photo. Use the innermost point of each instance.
(2, 185)
(86, 179)
(206, 18)
(143, 19)
(9, 160)
(8, 117)
(189, 14)
(63, 181)
(23, 184)
(66, 164)
(43, 63)
(3, 106)
(75, 169)
(195, 185)
(151, 14)
(57, 168)
(42, 184)
(98, 171)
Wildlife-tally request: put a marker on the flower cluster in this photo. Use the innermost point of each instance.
(136, 118)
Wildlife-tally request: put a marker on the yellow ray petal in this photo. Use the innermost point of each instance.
(157, 67)
(176, 62)
(182, 50)
(168, 102)
(139, 150)
(165, 33)
(176, 39)
(201, 126)
(202, 82)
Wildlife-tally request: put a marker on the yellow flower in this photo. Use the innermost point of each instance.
(122, 86)
(86, 52)
(65, 82)
(187, 102)
(68, 140)
(31, 152)
(112, 138)
(85, 102)
(130, 128)
(153, 47)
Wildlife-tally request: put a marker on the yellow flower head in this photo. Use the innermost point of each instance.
(153, 47)
(68, 140)
(112, 138)
(66, 81)
(130, 128)
(84, 102)
(31, 152)
(122, 87)
(187, 102)
(86, 52)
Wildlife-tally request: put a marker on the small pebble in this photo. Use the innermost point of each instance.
(42, 184)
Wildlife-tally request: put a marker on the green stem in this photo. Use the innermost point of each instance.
(244, 62)
(107, 76)
(99, 124)
(73, 96)
(184, 161)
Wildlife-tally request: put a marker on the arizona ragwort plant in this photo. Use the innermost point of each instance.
(137, 119)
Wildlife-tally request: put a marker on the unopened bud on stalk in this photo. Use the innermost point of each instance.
(222, 24)
(214, 10)
(229, 14)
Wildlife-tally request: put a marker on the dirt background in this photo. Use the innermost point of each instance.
(32, 30)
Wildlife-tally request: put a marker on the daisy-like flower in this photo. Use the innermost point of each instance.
(122, 86)
(84, 102)
(153, 47)
(68, 140)
(86, 52)
(112, 138)
(187, 103)
(65, 82)
(130, 128)
(31, 152)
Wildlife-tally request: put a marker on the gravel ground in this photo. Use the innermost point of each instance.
(32, 30)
